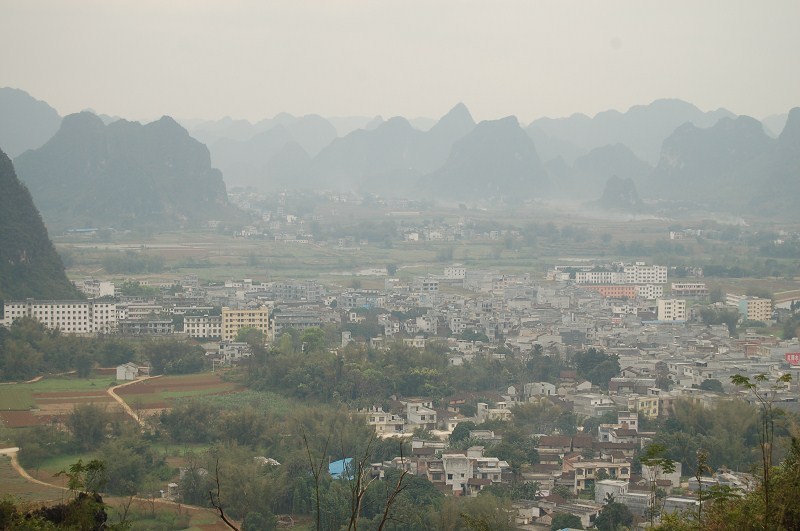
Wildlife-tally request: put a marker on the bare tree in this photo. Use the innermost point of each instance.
(316, 472)
(702, 467)
(657, 464)
(125, 507)
(398, 488)
(215, 503)
(765, 397)
(359, 480)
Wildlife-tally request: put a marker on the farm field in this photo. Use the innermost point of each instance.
(28, 404)
(155, 394)
(215, 257)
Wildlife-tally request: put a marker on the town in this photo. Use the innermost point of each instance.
(399, 266)
(652, 341)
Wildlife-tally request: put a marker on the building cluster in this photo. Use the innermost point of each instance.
(472, 310)
(665, 354)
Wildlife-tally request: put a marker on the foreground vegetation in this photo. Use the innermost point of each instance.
(298, 411)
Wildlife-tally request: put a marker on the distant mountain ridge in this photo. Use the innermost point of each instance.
(620, 195)
(642, 127)
(496, 160)
(589, 174)
(25, 122)
(124, 174)
(669, 148)
(29, 264)
(385, 158)
(734, 163)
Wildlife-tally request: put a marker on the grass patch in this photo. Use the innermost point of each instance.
(15, 485)
(167, 516)
(172, 395)
(55, 464)
(263, 401)
(16, 396)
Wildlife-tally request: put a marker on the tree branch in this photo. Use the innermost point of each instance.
(215, 504)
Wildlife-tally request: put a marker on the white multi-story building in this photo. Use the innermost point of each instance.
(296, 290)
(420, 413)
(649, 291)
(458, 469)
(455, 272)
(385, 424)
(642, 274)
(94, 289)
(599, 277)
(70, 317)
(671, 309)
(427, 285)
(203, 326)
(142, 310)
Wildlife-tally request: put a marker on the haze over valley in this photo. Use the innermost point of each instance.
(399, 265)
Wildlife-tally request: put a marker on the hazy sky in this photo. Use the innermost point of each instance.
(253, 59)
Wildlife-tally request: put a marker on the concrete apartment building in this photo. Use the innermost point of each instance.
(71, 317)
(616, 291)
(146, 327)
(751, 308)
(649, 291)
(234, 319)
(671, 309)
(642, 274)
(203, 326)
(755, 309)
(455, 272)
(599, 277)
(689, 289)
(94, 289)
(295, 319)
(296, 290)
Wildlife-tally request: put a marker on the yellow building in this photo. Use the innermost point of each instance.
(646, 406)
(671, 309)
(755, 309)
(234, 319)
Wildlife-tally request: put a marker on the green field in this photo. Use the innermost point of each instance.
(263, 401)
(15, 485)
(16, 396)
(20, 395)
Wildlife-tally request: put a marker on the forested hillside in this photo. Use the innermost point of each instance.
(29, 264)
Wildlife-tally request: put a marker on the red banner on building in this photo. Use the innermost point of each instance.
(793, 358)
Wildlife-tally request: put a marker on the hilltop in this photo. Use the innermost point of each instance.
(123, 175)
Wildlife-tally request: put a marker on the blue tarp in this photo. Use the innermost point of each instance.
(338, 468)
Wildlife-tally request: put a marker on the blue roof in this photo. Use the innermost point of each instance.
(337, 468)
